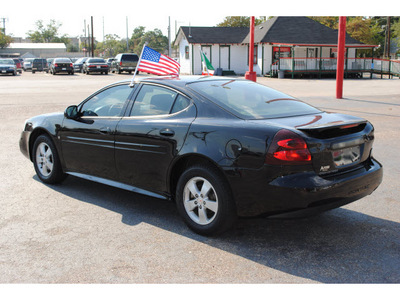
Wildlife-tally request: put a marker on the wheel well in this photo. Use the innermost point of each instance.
(34, 135)
(183, 164)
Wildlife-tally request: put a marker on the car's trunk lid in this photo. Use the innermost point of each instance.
(336, 142)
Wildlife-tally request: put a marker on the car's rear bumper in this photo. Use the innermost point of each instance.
(302, 193)
(64, 70)
(98, 70)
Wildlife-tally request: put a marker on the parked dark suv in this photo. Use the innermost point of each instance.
(39, 65)
(124, 62)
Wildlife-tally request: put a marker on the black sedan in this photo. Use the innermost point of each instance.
(220, 148)
(7, 66)
(78, 65)
(95, 65)
(61, 65)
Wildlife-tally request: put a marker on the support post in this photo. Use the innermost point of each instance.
(250, 74)
(92, 37)
(340, 59)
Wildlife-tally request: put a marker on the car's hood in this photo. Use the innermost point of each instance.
(46, 119)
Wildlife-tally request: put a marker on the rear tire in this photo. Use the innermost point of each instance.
(204, 201)
(46, 160)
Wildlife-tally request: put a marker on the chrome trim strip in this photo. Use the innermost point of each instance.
(116, 184)
(139, 145)
(90, 144)
(87, 139)
(138, 150)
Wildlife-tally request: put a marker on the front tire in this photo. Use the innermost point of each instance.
(204, 201)
(46, 161)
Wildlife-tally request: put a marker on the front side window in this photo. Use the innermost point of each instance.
(108, 103)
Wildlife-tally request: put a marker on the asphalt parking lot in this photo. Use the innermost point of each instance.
(84, 232)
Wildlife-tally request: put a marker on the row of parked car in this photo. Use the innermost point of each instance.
(124, 62)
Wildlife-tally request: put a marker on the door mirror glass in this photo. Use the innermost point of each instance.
(71, 112)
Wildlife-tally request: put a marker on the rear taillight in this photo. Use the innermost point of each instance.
(71, 65)
(56, 65)
(120, 63)
(288, 148)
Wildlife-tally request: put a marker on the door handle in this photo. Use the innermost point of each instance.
(105, 130)
(167, 132)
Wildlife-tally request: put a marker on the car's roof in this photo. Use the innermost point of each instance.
(174, 81)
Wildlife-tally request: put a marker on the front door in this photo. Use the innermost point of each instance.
(151, 136)
(88, 142)
(224, 57)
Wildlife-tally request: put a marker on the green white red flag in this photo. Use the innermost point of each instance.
(207, 68)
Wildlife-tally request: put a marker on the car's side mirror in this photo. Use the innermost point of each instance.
(71, 112)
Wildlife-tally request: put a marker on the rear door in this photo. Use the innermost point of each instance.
(151, 135)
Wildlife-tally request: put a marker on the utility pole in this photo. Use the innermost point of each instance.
(92, 38)
(388, 37)
(84, 29)
(4, 25)
(127, 38)
(169, 36)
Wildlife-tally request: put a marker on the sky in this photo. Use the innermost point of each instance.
(153, 14)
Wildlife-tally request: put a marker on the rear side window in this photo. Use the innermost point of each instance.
(131, 58)
(180, 104)
(153, 100)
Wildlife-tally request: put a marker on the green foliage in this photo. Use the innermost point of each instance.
(5, 40)
(155, 39)
(240, 21)
(111, 46)
(47, 34)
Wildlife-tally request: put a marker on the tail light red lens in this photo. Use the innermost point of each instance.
(56, 65)
(120, 63)
(71, 65)
(288, 148)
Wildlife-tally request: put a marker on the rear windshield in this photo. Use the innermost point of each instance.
(62, 60)
(130, 57)
(249, 100)
(6, 62)
(96, 60)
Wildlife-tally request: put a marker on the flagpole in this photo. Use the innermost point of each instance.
(137, 66)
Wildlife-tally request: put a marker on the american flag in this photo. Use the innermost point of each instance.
(156, 63)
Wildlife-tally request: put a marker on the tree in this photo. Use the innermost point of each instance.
(47, 34)
(396, 32)
(239, 21)
(5, 40)
(111, 46)
(363, 30)
(155, 40)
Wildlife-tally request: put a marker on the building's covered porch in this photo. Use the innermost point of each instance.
(300, 60)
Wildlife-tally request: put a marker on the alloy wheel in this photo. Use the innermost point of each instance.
(200, 200)
(44, 159)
